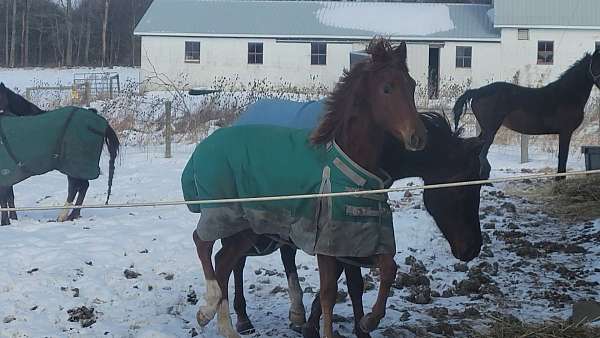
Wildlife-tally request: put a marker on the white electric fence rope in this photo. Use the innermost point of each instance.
(307, 196)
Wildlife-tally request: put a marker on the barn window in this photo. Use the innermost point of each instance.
(545, 53)
(463, 57)
(318, 53)
(192, 51)
(255, 53)
(523, 34)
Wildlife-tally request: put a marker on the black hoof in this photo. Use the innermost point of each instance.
(245, 328)
(13, 215)
(297, 328)
(309, 331)
(369, 323)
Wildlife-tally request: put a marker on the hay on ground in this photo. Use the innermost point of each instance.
(573, 199)
(511, 327)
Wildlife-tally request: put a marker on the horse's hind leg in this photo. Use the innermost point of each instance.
(11, 203)
(312, 326)
(234, 248)
(297, 313)
(387, 267)
(244, 325)
(72, 191)
(82, 188)
(5, 220)
(212, 296)
(564, 140)
(356, 286)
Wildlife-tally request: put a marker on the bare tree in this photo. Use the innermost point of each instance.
(69, 19)
(13, 41)
(6, 37)
(104, 27)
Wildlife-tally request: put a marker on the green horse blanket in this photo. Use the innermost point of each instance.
(68, 139)
(261, 160)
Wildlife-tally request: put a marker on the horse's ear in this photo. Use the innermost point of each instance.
(400, 51)
(2, 85)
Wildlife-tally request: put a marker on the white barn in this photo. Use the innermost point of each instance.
(303, 43)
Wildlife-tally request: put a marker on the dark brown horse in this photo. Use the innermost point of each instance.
(556, 108)
(446, 158)
(14, 104)
(376, 96)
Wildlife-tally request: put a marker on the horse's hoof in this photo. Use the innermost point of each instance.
(245, 328)
(369, 323)
(297, 319)
(310, 331)
(203, 319)
(13, 215)
(297, 327)
(360, 334)
(4, 223)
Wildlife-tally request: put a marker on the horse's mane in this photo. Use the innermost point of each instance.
(438, 127)
(577, 73)
(382, 54)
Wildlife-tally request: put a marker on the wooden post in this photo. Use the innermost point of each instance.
(86, 93)
(524, 148)
(168, 131)
(28, 94)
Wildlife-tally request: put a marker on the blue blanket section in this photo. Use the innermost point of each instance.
(284, 113)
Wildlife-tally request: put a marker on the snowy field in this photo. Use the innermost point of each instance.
(49, 268)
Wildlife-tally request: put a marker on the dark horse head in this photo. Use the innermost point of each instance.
(13, 103)
(446, 158)
(375, 94)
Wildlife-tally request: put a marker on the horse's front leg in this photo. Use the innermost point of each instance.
(312, 326)
(297, 313)
(244, 325)
(11, 203)
(356, 287)
(328, 281)
(387, 267)
(564, 140)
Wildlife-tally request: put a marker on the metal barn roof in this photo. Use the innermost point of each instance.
(318, 20)
(547, 13)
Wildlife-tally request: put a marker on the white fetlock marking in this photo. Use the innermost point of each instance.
(224, 323)
(65, 213)
(297, 312)
(211, 298)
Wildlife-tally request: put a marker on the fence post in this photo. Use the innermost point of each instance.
(524, 148)
(168, 135)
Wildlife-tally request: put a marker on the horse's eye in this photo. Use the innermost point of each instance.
(387, 88)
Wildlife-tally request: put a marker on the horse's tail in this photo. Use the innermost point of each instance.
(113, 144)
(461, 105)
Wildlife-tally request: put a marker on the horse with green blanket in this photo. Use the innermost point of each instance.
(34, 142)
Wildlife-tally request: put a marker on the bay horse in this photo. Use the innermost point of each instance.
(14, 104)
(374, 97)
(455, 211)
(556, 108)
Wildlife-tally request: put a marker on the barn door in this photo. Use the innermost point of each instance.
(434, 72)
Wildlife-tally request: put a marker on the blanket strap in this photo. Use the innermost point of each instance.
(10, 152)
(61, 138)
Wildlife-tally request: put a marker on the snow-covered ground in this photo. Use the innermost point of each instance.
(49, 268)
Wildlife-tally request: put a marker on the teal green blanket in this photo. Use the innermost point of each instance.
(68, 139)
(260, 160)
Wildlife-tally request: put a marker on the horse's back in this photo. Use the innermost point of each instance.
(284, 113)
(68, 139)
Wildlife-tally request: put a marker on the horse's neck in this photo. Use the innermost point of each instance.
(577, 87)
(363, 143)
